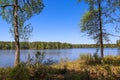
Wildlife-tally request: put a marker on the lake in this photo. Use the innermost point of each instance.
(7, 56)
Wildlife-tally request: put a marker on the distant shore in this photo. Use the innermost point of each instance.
(50, 45)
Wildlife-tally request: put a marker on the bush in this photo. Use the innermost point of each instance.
(38, 72)
(20, 73)
(86, 57)
(90, 59)
(112, 60)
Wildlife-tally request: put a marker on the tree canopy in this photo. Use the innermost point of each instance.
(17, 12)
(94, 21)
(26, 9)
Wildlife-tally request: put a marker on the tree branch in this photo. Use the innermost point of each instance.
(113, 35)
(22, 10)
(6, 6)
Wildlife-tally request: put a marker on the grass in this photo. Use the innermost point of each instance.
(87, 67)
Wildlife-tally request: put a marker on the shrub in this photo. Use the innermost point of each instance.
(95, 59)
(38, 72)
(90, 59)
(20, 73)
(112, 60)
(86, 57)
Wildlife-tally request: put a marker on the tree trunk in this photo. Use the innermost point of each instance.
(101, 33)
(16, 34)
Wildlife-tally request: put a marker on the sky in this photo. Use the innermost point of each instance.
(58, 22)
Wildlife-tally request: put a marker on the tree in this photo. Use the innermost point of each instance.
(96, 19)
(17, 12)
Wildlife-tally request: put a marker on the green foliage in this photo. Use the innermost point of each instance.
(118, 43)
(95, 59)
(20, 72)
(86, 57)
(88, 19)
(90, 25)
(50, 45)
(39, 57)
(35, 45)
(26, 9)
(94, 21)
(36, 60)
(5, 73)
(90, 59)
(38, 72)
(49, 62)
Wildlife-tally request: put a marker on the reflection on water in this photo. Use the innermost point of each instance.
(7, 56)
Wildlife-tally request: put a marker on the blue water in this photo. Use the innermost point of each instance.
(7, 56)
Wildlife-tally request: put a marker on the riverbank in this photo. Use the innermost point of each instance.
(86, 68)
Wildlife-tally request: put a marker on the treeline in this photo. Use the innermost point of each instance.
(35, 45)
(94, 46)
(52, 45)
(118, 43)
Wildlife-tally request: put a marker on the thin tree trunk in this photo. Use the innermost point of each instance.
(101, 33)
(16, 34)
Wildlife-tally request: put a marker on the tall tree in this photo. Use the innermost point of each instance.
(101, 27)
(95, 20)
(17, 12)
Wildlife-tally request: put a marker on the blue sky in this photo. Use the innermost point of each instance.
(59, 21)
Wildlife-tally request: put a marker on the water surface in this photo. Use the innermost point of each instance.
(7, 56)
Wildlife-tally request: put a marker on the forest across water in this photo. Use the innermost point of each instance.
(51, 45)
